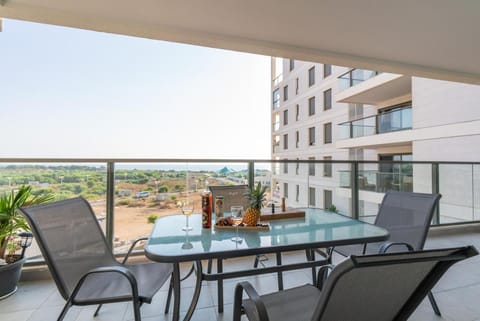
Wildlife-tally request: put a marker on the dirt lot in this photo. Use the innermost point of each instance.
(132, 222)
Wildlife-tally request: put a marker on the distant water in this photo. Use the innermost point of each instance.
(159, 166)
(191, 167)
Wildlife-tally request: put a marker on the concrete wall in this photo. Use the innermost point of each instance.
(446, 118)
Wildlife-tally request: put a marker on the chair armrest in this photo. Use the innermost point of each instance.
(322, 275)
(109, 269)
(253, 296)
(132, 247)
(385, 246)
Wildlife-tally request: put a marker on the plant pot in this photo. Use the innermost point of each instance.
(9, 276)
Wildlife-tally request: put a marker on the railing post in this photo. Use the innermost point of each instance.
(251, 174)
(354, 189)
(436, 190)
(110, 203)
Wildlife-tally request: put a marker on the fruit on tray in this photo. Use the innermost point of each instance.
(225, 221)
(256, 199)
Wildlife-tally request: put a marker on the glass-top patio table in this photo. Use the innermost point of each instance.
(318, 229)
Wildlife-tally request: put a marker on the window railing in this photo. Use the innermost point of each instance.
(354, 77)
(277, 80)
(128, 194)
(379, 182)
(276, 126)
(386, 122)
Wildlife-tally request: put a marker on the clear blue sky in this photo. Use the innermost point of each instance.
(73, 93)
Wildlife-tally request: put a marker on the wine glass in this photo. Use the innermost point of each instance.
(187, 245)
(237, 218)
(187, 210)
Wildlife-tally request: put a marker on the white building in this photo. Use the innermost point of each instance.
(326, 112)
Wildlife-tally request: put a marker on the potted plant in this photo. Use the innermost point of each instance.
(11, 224)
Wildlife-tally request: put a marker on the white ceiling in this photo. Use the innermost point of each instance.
(429, 38)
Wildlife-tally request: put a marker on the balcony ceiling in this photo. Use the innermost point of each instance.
(428, 38)
(376, 90)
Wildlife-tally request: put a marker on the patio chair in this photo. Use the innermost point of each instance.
(386, 287)
(407, 217)
(81, 262)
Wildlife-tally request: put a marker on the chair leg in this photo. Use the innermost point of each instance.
(67, 306)
(97, 310)
(169, 295)
(434, 303)
(279, 274)
(255, 264)
(136, 310)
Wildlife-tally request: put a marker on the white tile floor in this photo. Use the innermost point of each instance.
(457, 293)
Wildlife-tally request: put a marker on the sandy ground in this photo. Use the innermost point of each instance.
(131, 223)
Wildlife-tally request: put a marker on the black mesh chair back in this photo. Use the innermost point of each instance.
(71, 240)
(407, 217)
(384, 287)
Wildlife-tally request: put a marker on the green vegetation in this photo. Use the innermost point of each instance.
(90, 182)
(11, 221)
(152, 218)
(332, 208)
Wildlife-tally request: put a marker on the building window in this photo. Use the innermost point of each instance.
(311, 106)
(285, 141)
(297, 167)
(276, 122)
(327, 133)
(297, 139)
(292, 64)
(396, 176)
(297, 193)
(285, 93)
(285, 167)
(327, 199)
(327, 167)
(311, 197)
(311, 136)
(276, 98)
(311, 76)
(276, 143)
(327, 70)
(285, 117)
(311, 166)
(285, 190)
(297, 87)
(297, 112)
(327, 99)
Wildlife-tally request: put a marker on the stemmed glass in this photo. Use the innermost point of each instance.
(187, 245)
(187, 210)
(237, 218)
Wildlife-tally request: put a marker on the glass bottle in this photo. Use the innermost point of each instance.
(207, 207)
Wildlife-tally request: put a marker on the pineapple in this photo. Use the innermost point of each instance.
(256, 198)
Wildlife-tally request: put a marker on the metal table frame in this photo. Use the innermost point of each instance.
(219, 276)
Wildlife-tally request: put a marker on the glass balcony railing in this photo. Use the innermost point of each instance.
(391, 121)
(128, 195)
(354, 77)
(379, 182)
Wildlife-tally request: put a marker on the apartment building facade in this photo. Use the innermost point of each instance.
(324, 112)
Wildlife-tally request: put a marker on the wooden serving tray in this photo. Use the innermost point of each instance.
(289, 213)
(263, 227)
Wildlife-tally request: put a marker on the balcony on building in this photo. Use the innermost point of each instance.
(371, 87)
(392, 127)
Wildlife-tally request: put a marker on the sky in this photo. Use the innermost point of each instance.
(67, 92)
